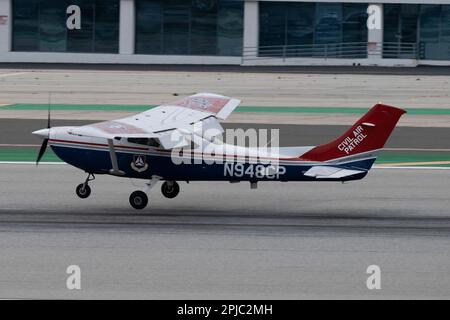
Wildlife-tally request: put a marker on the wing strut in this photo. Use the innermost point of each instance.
(112, 153)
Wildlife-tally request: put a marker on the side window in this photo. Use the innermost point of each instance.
(151, 142)
(154, 143)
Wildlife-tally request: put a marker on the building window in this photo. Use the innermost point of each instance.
(413, 30)
(189, 27)
(400, 31)
(434, 32)
(308, 29)
(66, 25)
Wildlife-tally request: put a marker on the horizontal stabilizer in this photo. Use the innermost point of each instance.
(328, 172)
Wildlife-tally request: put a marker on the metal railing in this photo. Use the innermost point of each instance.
(351, 50)
(395, 50)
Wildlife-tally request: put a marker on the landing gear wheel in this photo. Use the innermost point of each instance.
(170, 189)
(138, 200)
(83, 190)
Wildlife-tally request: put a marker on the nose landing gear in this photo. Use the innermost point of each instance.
(83, 190)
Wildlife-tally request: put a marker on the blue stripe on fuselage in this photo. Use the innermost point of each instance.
(99, 162)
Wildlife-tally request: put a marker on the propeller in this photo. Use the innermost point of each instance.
(44, 133)
(42, 150)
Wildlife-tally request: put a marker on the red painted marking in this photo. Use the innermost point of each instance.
(114, 127)
(97, 144)
(202, 103)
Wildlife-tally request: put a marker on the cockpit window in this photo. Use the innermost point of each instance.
(151, 142)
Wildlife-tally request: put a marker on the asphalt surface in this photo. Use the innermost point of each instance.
(420, 70)
(18, 131)
(284, 240)
(274, 88)
(220, 240)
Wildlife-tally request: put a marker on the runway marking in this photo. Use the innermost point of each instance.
(18, 145)
(12, 74)
(411, 168)
(32, 162)
(421, 163)
(416, 149)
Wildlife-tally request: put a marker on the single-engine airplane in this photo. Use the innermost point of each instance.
(142, 146)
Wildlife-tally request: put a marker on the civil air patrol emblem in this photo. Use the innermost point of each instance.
(139, 163)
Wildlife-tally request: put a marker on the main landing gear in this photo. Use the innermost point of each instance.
(139, 199)
(170, 189)
(83, 190)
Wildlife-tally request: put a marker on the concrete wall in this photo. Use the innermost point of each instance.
(100, 58)
(251, 23)
(127, 22)
(365, 1)
(250, 40)
(5, 26)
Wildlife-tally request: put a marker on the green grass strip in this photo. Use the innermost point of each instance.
(26, 154)
(392, 157)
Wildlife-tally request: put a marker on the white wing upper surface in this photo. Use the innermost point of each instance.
(183, 116)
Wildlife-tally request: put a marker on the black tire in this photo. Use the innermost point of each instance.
(138, 200)
(83, 191)
(172, 191)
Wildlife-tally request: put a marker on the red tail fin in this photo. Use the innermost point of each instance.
(368, 133)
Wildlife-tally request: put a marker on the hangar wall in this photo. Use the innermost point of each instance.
(233, 32)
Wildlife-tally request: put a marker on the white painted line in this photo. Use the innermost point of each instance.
(416, 149)
(18, 145)
(12, 74)
(412, 168)
(31, 162)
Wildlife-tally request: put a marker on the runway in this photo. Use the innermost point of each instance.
(18, 131)
(220, 240)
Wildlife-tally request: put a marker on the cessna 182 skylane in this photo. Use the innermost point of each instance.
(141, 146)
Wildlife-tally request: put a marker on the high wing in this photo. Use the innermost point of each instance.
(163, 122)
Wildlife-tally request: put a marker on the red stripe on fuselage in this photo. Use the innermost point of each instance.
(96, 144)
(294, 159)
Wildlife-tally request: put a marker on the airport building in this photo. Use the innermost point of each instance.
(234, 32)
